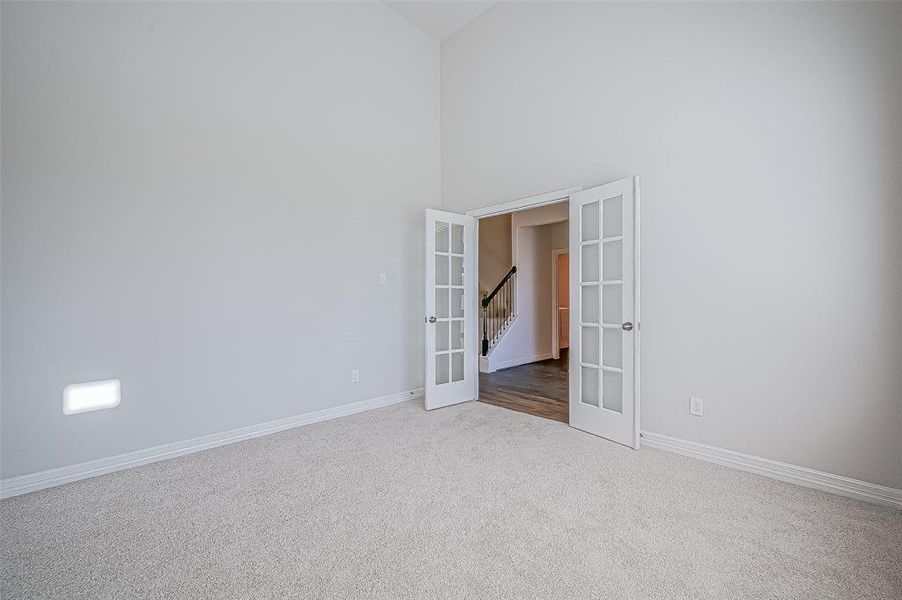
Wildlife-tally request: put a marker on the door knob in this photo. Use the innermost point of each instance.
(627, 326)
(432, 319)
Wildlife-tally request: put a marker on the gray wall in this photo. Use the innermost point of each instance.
(494, 251)
(769, 140)
(198, 200)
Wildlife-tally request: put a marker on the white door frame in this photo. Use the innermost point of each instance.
(546, 199)
(555, 312)
(554, 197)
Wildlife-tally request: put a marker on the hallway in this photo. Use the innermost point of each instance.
(539, 389)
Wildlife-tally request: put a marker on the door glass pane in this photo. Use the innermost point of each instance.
(590, 221)
(612, 258)
(612, 351)
(441, 369)
(457, 270)
(457, 366)
(441, 303)
(441, 269)
(457, 303)
(457, 335)
(457, 238)
(590, 263)
(612, 220)
(590, 346)
(589, 304)
(589, 384)
(441, 336)
(441, 237)
(612, 390)
(612, 304)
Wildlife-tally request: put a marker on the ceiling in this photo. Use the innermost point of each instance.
(440, 19)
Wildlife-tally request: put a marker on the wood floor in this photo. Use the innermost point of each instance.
(539, 389)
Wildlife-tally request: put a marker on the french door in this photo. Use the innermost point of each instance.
(451, 324)
(603, 311)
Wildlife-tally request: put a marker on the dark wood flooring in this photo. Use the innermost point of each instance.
(539, 389)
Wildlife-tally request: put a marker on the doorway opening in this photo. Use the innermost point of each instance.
(462, 328)
(523, 266)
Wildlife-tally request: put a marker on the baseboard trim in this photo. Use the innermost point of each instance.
(516, 362)
(24, 484)
(821, 480)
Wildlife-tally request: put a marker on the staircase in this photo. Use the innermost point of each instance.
(498, 311)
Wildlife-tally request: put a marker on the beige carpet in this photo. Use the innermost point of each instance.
(470, 501)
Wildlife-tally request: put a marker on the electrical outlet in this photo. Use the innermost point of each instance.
(696, 406)
(383, 278)
(355, 376)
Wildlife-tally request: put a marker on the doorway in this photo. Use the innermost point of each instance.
(603, 360)
(560, 305)
(518, 259)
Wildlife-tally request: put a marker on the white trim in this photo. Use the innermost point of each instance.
(555, 309)
(524, 203)
(837, 484)
(637, 327)
(23, 484)
(563, 195)
(516, 362)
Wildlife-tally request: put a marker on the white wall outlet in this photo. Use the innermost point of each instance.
(383, 278)
(355, 376)
(696, 406)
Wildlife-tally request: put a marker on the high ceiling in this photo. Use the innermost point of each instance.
(440, 19)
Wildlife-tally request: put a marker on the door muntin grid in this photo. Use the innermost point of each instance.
(601, 304)
(450, 307)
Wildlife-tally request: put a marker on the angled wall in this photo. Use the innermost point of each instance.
(769, 141)
(198, 200)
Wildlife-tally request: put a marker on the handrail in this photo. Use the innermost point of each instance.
(488, 298)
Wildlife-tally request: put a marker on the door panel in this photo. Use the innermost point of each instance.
(451, 367)
(602, 330)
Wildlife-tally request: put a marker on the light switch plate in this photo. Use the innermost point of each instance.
(383, 279)
(696, 406)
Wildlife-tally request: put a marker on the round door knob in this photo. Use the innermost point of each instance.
(432, 319)
(627, 326)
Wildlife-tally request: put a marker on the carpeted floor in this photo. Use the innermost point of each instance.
(471, 501)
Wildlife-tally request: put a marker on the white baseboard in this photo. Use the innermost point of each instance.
(837, 484)
(515, 362)
(484, 365)
(23, 484)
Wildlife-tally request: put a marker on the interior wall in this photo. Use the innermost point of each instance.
(769, 140)
(529, 336)
(494, 251)
(173, 175)
(560, 235)
(533, 235)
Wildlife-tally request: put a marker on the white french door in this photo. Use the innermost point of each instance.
(451, 324)
(603, 311)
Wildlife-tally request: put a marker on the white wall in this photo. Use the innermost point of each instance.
(769, 140)
(560, 235)
(533, 233)
(198, 200)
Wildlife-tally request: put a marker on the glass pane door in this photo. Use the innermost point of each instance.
(449, 303)
(450, 321)
(601, 238)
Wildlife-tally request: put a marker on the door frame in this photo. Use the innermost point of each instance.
(554, 197)
(546, 199)
(555, 312)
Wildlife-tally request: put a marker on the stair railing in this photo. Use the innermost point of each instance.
(497, 310)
